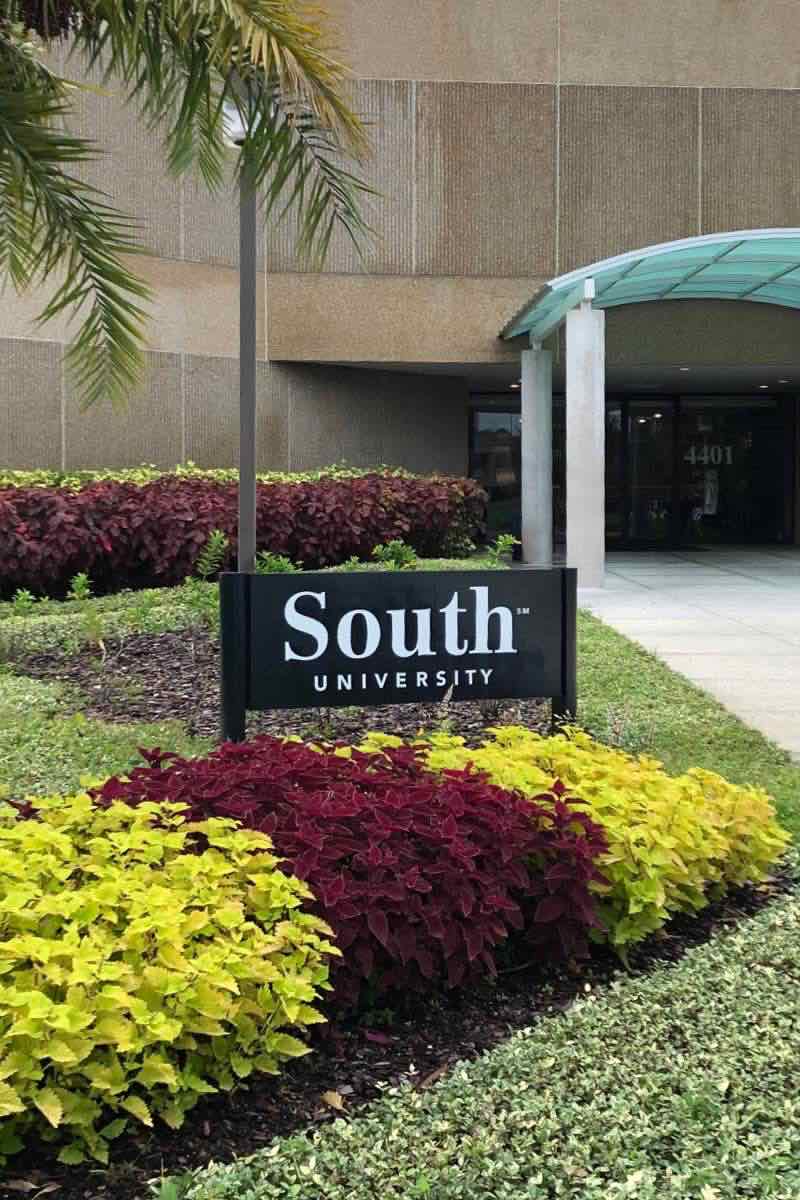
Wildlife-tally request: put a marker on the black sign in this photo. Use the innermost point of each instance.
(323, 639)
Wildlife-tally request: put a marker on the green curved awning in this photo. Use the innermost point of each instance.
(761, 265)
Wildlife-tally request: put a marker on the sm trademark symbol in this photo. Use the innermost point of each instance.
(523, 612)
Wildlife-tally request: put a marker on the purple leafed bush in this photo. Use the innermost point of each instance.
(129, 535)
(421, 875)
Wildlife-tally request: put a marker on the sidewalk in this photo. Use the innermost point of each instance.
(726, 618)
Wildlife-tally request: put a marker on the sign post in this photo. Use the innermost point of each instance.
(365, 638)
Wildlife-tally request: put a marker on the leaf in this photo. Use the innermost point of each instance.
(286, 1045)
(157, 1070)
(71, 1155)
(49, 1106)
(333, 1100)
(10, 1101)
(137, 1108)
(378, 926)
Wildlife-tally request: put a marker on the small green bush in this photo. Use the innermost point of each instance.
(268, 563)
(138, 974)
(396, 555)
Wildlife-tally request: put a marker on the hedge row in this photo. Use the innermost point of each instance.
(148, 473)
(128, 535)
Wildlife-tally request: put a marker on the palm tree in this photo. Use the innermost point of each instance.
(187, 63)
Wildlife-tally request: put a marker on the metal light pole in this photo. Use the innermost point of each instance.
(247, 376)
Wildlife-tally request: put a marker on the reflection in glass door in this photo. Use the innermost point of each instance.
(650, 470)
(495, 462)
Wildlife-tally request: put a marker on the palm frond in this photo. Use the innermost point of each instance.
(53, 225)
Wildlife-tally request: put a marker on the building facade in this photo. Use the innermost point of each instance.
(514, 141)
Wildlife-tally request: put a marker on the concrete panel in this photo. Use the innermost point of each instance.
(349, 318)
(499, 40)
(211, 223)
(751, 173)
(716, 42)
(30, 404)
(132, 168)
(387, 108)
(689, 332)
(195, 307)
(19, 313)
(147, 429)
(485, 179)
(628, 170)
(368, 417)
(212, 413)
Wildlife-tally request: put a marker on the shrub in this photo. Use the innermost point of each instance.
(395, 555)
(129, 535)
(148, 472)
(420, 876)
(143, 962)
(673, 842)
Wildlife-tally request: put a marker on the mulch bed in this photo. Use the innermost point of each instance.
(164, 676)
(414, 1045)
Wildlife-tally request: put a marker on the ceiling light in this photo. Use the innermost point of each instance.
(642, 420)
(514, 387)
(763, 387)
(658, 416)
(684, 368)
(783, 381)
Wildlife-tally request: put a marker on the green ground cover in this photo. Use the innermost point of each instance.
(46, 745)
(681, 1085)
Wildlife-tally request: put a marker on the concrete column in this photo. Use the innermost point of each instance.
(586, 435)
(537, 457)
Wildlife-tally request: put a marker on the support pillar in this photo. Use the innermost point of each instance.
(536, 434)
(586, 432)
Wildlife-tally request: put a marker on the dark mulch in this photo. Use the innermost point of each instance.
(157, 677)
(415, 1045)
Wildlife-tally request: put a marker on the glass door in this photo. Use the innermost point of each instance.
(730, 468)
(495, 461)
(650, 471)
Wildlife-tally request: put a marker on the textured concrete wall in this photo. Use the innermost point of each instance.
(695, 332)
(736, 43)
(408, 319)
(30, 404)
(368, 417)
(187, 408)
(473, 40)
(727, 43)
(514, 139)
(629, 170)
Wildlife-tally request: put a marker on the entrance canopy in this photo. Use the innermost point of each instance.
(761, 265)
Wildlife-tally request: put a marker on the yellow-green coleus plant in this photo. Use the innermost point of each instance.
(137, 974)
(674, 841)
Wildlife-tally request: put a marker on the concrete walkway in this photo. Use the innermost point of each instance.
(727, 618)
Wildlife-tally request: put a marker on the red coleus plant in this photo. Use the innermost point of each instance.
(127, 535)
(420, 875)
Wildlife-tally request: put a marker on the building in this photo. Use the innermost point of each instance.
(516, 142)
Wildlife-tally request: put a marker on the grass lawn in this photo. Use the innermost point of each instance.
(681, 1085)
(626, 696)
(47, 746)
